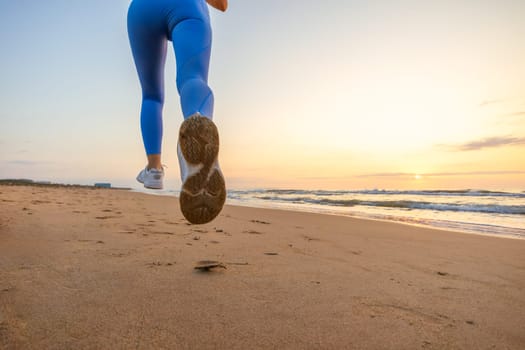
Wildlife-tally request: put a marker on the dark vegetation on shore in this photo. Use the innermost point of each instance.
(29, 182)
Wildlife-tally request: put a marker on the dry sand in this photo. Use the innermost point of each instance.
(106, 269)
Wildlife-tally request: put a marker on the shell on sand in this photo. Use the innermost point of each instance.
(206, 265)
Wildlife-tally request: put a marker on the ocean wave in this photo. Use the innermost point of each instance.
(328, 193)
(404, 204)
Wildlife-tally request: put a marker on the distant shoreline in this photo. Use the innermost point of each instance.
(29, 182)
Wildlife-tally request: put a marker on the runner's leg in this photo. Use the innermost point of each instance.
(148, 44)
(192, 43)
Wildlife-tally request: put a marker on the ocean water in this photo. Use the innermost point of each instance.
(500, 213)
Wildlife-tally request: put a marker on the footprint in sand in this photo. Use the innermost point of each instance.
(425, 343)
(40, 202)
(448, 288)
(162, 233)
(199, 230)
(159, 263)
(220, 230)
(171, 223)
(207, 265)
(128, 231)
(260, 222)
(89, 240)
(252, 232)
(145, 225)
(309, 239)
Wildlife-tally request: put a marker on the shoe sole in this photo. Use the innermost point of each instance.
(154, 187)
(203, 194)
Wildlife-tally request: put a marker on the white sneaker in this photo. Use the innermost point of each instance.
(151, 178)
(203, 188)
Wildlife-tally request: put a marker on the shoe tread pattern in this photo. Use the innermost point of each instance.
(204, 193)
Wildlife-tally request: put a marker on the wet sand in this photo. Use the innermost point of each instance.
(88, 268)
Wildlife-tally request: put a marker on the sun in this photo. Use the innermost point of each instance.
(417, 177)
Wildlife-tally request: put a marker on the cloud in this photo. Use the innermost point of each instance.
(481, 172)
(460, 173)
(515, 114)
(491, 102)
(25, 162)
(21, 162)
(488, 142)
(491, 142)
(386, 175)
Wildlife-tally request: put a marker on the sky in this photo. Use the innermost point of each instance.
(392, 94)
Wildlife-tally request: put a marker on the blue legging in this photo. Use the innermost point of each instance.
(151, 23)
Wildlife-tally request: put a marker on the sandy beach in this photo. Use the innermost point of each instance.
(84, 268)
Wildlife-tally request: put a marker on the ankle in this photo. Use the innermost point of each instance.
(154, 162)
